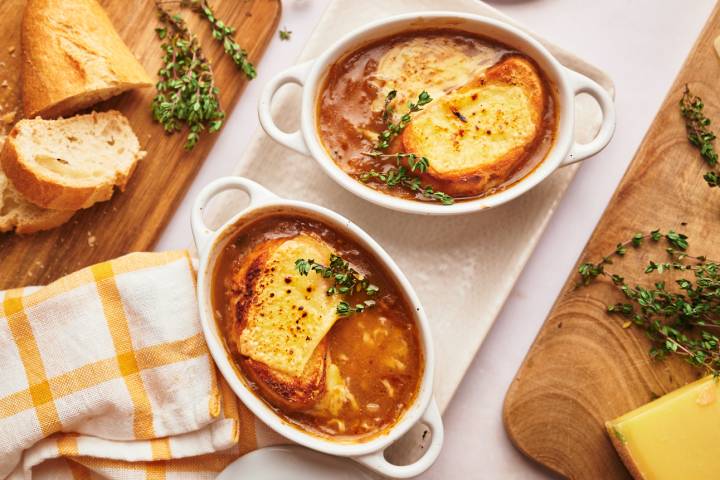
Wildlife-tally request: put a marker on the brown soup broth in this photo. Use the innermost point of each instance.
(345, 114)
(377, 352)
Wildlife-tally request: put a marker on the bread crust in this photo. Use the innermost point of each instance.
(48, 221)
(46, 192)
(19, 215)
(476, 180)
(286, 392)
(73, 58)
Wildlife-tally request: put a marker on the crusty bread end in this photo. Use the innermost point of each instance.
(73, 58)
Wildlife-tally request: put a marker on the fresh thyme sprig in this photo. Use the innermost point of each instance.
(347, 282)
(223, 33)
(400, 176)
(684, 322)
(394, 129)
(285, 34)
(344, 309)
(186, 92)
(589, 271)
(416, 164)
(698, 133)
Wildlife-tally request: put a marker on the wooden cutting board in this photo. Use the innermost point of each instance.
(132, 220)
(584, 368)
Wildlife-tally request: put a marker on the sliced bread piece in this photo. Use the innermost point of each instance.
(73, 163)
(476, 136)
(73, 58)
(18, 214)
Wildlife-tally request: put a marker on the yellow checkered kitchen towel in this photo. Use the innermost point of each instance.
(105, 374)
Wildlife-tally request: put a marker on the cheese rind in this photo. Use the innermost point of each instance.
(674, 437)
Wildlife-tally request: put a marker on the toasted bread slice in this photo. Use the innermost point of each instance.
(282, 319)
(69, 164)
(19, 215)
(478, 135)
(73, 58)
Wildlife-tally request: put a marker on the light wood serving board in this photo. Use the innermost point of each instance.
(132, 220)
(584, 368)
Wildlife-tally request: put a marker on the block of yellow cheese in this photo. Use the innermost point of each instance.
(674, 437)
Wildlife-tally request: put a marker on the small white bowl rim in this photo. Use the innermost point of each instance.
(263, 411)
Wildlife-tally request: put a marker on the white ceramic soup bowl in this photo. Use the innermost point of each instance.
(210, 244)
(567, 84)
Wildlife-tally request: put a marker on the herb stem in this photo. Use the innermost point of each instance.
(224, 34)
(679, 323)
(394, 129)
(699, 133)
(399, 176)
(186, 92)
(347, 282)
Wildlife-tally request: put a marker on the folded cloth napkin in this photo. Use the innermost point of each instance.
(105, 374)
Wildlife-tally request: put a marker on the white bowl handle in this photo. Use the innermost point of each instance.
(376, 461)
(201, 232)
(297, 75)
(581, 84)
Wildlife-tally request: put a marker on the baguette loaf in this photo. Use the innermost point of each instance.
(73, 58)
(73, 163)
(18, 214)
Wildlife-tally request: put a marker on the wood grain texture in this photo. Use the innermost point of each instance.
(132, 220)
(584, 368)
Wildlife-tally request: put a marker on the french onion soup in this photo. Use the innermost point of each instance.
(436, 115)
(317, 328)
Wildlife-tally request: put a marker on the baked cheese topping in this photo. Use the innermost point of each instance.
(290, 313)
(675, 436)
(474, 126)
(337, 394)
(434, 64)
